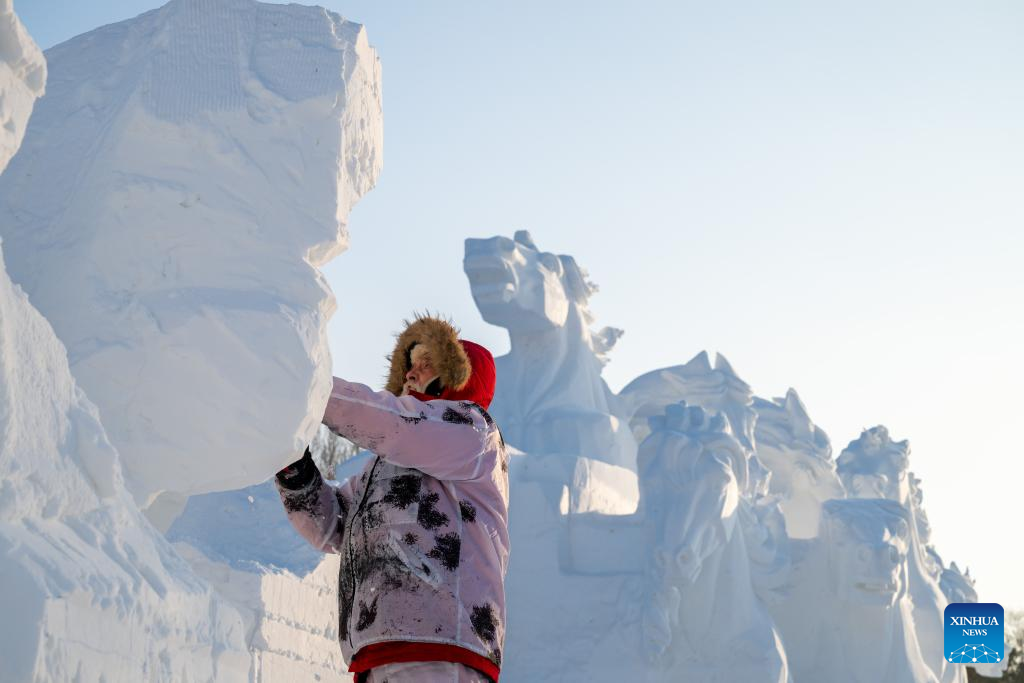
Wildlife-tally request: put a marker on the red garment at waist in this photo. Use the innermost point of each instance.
(393, 651)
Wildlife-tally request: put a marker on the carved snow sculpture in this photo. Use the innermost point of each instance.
(720, 389)
(550, 397)
(849, 616)
(768, 546)
(84, 576)
(956, 585)
(550, 400)
(799, 455)
(698, 383)
(875, 466)
(186, 174)
(701, 618)
(626, 571)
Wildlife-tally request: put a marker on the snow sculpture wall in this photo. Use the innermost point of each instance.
(799, 455)
(178, 186)
(742, 515)
(579, 449)
(661, 594)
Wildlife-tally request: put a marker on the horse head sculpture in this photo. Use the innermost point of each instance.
(550, 397)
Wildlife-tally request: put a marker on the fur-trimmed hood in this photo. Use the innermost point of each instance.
(466, 369)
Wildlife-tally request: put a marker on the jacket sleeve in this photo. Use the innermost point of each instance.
(439, 438)
(316, 508)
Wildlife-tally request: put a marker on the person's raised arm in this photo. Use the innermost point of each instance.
(440, 438)
(317, 509)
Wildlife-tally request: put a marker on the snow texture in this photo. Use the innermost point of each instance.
(185, 175)
(83, 573)
(22, 80)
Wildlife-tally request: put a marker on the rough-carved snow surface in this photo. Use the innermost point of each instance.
(22, 79)
(91, 591)
(177, 187)
(291, 620)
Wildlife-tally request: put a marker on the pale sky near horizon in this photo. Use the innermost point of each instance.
(829, 194)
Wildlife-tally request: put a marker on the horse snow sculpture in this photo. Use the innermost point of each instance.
(720, 390)
(701, 619)
(875, 466)
(956, 585)
(849, 617)
(698, 383)
(799, 455)
(551, 397)
(551, 401)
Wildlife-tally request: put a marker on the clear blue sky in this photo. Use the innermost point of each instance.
(830, 194)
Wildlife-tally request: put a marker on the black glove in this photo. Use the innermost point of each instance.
(299, 474)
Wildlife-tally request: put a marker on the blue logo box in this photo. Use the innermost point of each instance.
(973, 632)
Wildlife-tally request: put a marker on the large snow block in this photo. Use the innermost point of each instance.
(186, 174)
(91, 591)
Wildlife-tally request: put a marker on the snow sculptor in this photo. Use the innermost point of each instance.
(552, 399)
(422, 531)
(701, 608)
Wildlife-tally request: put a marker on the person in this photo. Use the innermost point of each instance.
(422, 530)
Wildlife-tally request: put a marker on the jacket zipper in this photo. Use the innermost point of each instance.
(348, 547)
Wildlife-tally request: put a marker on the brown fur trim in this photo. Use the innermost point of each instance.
(441, 339)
